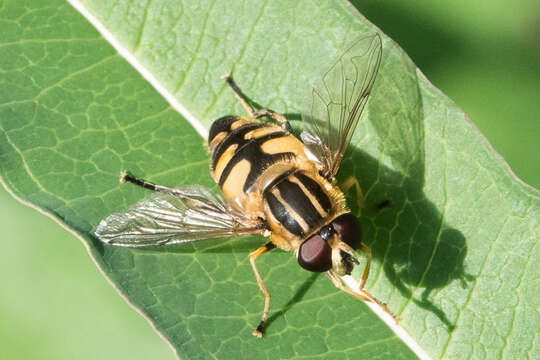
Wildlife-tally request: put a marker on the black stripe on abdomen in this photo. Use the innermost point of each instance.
(258, 159)
(293, 195)
(223, 124)
(234, 137)
(282, 215)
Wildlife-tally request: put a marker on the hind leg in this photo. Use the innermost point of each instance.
(125, 176)
(258, 332)
(256, 114)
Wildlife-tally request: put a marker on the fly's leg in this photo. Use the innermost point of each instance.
(280, 118)
(256, 114)
(362, 294)
(239, 94)
(350, 182)
(127, 177)
(337, 283)
(258, 332)
(366, 249)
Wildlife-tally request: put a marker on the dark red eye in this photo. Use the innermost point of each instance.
(348, 227)
(315, 254)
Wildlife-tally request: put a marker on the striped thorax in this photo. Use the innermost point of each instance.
(265, 171)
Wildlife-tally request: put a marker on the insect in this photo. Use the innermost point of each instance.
(274, 184)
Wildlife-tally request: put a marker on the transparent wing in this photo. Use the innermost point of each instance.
(335, 103)
(187, 214)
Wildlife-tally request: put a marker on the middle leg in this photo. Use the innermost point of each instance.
(349, 183)
(258, 332)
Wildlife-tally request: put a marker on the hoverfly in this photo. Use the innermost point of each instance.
(274, 184)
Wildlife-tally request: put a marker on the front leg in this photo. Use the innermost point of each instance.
(361, 294)
(366, 249)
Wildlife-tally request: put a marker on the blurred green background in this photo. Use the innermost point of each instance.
(485, 55)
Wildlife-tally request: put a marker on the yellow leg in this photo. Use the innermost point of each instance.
(239, 94)
(365, 275)
(350, 182)
(339, 284)
(249, 109)
(280, 118)
(258, 332)
(362, 295)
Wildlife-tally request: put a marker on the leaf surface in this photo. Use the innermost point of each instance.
(454, 253)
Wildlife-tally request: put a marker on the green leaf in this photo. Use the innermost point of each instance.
(454, 253)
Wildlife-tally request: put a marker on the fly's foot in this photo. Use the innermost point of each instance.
(258, 332)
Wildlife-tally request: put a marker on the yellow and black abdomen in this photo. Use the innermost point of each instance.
(247, 156)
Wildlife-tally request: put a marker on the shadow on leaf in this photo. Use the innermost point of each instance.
(417, 249)
(298, 296)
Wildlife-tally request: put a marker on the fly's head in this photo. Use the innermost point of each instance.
(332, 248)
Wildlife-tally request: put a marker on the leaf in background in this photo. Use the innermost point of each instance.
(454, 252)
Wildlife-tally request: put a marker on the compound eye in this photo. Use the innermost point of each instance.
(348, 227)
(315, 254)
